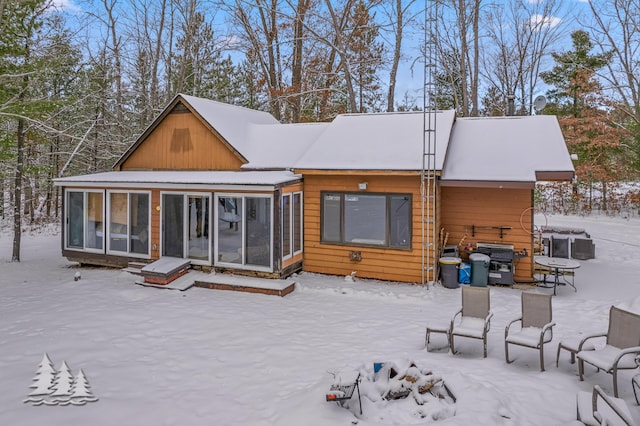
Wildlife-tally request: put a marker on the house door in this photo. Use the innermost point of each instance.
(186, 226)
(173, 225)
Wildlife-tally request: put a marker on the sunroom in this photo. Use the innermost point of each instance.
(240, 221)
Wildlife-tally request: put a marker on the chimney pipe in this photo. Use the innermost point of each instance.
(511, 107)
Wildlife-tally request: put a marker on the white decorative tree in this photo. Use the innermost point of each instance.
(81, 390)
(42, 381)
(62, 384)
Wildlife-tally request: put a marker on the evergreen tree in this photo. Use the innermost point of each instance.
(585, 115)
(23, 63)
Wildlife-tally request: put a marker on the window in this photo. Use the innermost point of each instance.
(291, 224)
(244, 231)
(128, 222)
(84, 219)
(366, 219)
(186, 226)
(297, 222)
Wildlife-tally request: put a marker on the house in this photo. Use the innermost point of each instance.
(234, 190)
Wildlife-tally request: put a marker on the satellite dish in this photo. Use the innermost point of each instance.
(539, 103)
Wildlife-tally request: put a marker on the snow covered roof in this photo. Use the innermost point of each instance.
(517, 150)
(230, 121)
(469, 151)
(385, 141)
(280, 146)
(171, 179)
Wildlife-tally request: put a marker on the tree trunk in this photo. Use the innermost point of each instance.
(391, 93)
(17, 194)
(296, 68)
(476, 60)
(464, 52)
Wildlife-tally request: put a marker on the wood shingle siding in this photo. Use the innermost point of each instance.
(488, 208)
(377, 262)
(182, 142)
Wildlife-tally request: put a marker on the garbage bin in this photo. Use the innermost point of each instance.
(449, 271)
(479, 269)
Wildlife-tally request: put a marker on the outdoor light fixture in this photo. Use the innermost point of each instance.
(362, 186)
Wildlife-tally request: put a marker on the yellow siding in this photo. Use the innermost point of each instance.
(379, 263)
(182, 142)
(490, 207)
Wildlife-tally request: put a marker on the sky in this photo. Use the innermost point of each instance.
(410, 73)
(199, 357)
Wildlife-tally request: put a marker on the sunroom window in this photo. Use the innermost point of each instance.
(291, 224)
(128, 222)
(366, 219)
(85, 220)
(244, 236)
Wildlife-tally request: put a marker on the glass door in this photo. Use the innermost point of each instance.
(229, 230)
(198, 242)
(173, 225)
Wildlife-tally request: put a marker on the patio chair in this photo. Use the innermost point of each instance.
(598, 408)
(536, 325)
(473, 319)
(622, 346)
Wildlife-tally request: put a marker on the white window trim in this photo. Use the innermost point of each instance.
(243, 265)
(185, 232)
(301, 223)
(128, 253)
(293, 252)
(85, 214)
(290, 255)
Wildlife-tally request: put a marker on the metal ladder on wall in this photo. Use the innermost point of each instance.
(428, 186)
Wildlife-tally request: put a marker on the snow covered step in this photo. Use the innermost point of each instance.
(268, 286)
(165, 270)
(182, 283)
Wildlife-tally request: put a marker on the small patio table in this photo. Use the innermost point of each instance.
(557, 264)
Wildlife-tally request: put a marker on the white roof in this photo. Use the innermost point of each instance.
(385, 141)
(279, 146)
(510, 149)
(230, 121)
(177, 178)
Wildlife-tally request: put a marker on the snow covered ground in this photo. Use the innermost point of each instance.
(205, 357)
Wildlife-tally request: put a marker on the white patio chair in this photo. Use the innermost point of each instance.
(622, 346)
(597, 408)
(473, 319)
(536, 325)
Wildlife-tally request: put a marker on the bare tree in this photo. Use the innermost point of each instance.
(459, 48)
(261, 31)
(399, 15)
(520, 36)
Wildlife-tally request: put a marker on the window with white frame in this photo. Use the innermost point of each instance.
(185, 226)
(128, 222)
(366, 219)
(244, 234)
(85, 220)
(291, 224)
